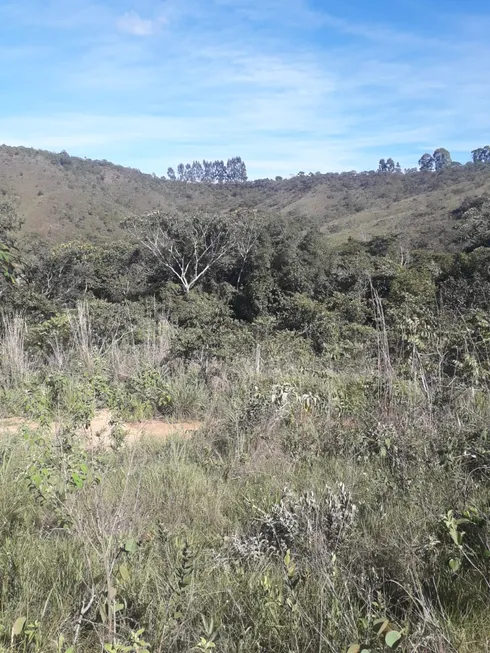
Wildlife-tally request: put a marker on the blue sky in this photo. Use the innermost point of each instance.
(288, 85)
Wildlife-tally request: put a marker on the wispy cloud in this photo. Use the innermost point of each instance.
(285, 85)
(131, 23)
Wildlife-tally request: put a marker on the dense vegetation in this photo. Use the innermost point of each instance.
(337, 493)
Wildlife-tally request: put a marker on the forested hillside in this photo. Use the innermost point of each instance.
(63, 198)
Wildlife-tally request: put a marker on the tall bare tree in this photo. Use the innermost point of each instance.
(248, 225)
(188, 245)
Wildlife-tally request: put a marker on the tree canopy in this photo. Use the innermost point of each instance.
(481, 154)
(217, 172)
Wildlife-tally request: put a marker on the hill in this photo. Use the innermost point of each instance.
(61, 197)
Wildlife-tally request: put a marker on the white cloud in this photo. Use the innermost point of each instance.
(132, 23)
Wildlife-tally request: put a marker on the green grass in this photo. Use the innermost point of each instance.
(151, 530)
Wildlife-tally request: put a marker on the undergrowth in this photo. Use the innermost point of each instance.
(314, 511)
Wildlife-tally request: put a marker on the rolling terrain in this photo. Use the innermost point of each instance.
(61, 198)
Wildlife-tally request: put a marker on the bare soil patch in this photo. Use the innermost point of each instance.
(99, 431)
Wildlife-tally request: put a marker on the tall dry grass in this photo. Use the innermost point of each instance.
(14, 360)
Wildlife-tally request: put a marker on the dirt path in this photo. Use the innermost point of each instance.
(99, 431)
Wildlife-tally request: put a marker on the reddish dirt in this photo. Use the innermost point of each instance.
(100, 428)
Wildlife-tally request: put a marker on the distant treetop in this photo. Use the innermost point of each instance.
(214, 172)
(389, 166)
(437, 161)
(481, 154)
